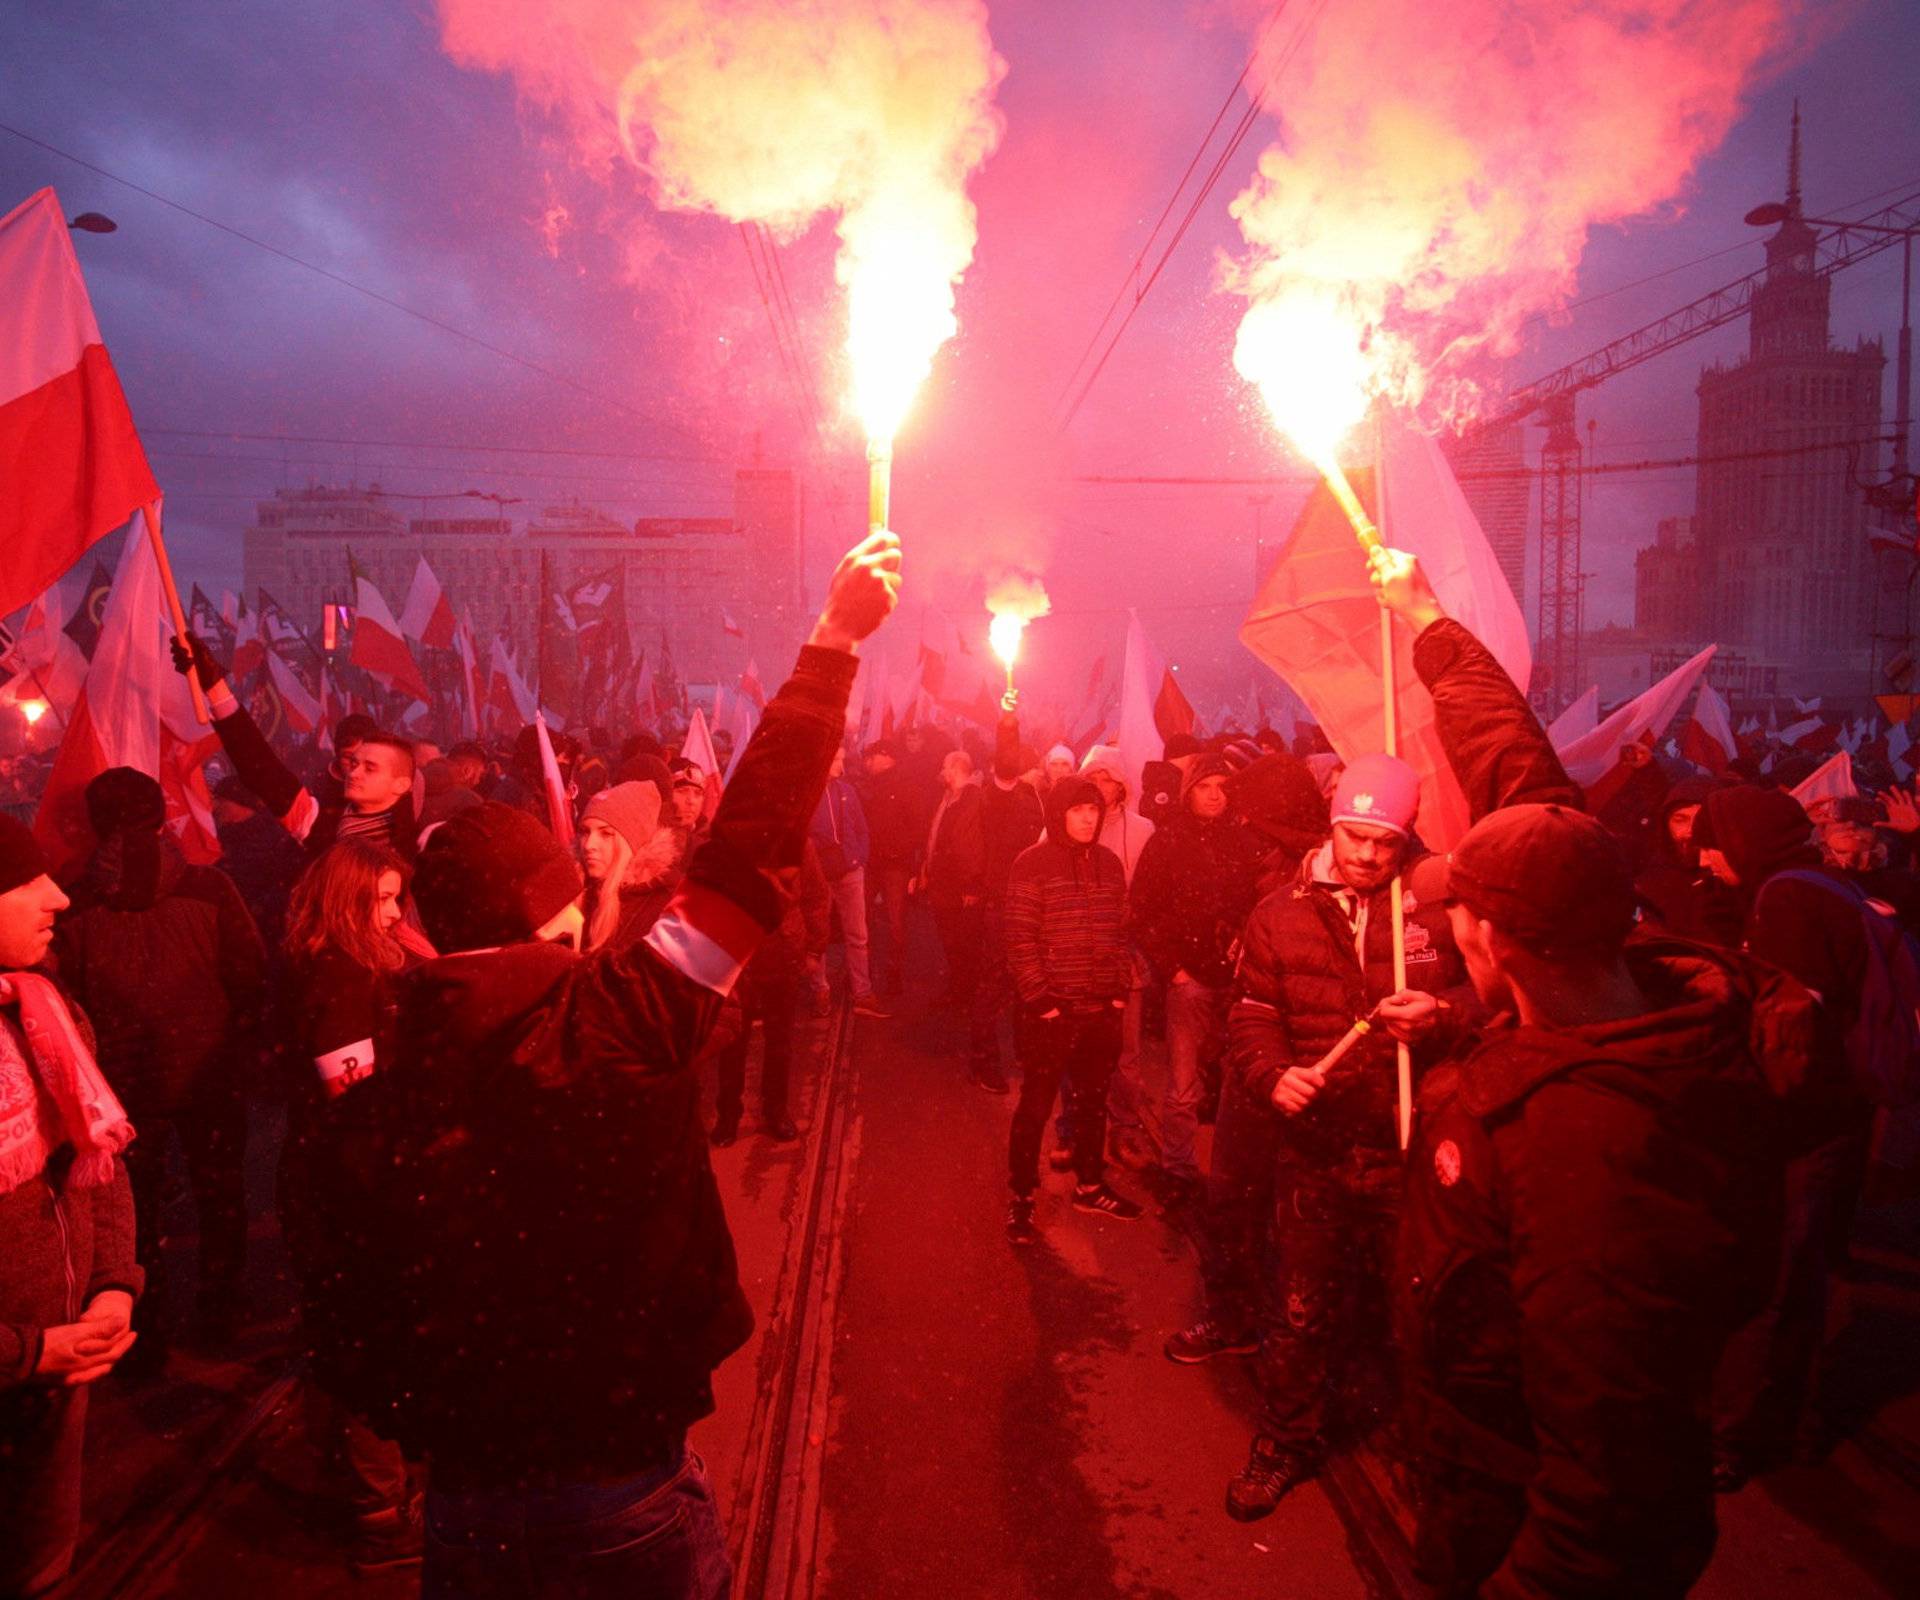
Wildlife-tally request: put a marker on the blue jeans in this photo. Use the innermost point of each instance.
(656, 1536)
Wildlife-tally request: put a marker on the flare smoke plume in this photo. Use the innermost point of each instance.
(1439, 167)
(1016, 595)
(778, 111)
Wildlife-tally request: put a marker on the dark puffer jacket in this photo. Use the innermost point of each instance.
(1301, 985)
(1066, 913)
(1192, 891)
(1589, 1213)
(166, 961)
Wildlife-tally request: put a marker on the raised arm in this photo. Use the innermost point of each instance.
(254, 762)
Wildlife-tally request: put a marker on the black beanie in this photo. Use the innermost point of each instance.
(122, 797)
(1757, 830)
(21, 858)
(646, 768)
(491, 875)
(1281, 800)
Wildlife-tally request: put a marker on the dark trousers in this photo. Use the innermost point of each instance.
(887, 884)
(772, 996)
(1078, 1048)
(1336, 1226)
(41, 1434)
(974, 943)
(212, 1135)
(1237, 1213)
(1765, 1382)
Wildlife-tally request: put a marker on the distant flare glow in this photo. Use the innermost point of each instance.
(33, 710)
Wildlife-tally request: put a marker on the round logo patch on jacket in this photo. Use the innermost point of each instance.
(1446, 1163)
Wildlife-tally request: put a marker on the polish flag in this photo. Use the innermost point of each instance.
(427, 615)
(302, 709)
(1831, 780)
(1708, 738)
(646, 703)
(1316, 621)
(729, 627)
(697, 747)
(1643, 719)
(751, 688)
(507, 691)
(469, 656)
(134, 711)
(71, 466)
(378, 644)
(740, 722)
(1810, 734)
(559, 806)
(1578, 720)
(1152, 708)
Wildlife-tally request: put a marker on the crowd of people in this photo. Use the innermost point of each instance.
(1653, 1039)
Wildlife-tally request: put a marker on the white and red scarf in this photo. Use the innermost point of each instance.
(53, 1093)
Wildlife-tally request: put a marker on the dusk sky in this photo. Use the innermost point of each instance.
(631, 347)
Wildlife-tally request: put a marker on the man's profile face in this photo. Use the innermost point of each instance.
(373, 777)
(1058, 767)
(467, 771)
(26, 922)
(1475, 941)
(1366, 856)
(1112, 790)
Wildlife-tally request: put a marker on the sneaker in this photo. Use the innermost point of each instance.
(386, 1539)
(868, 1005)
(1207, 1339)
(989, 1077)
(1132, 1149)
(1060, 1158)
(1102, 1201)
(1020, 1228)
(1263, 1482)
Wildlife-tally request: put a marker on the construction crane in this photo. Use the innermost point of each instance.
(1551, 400)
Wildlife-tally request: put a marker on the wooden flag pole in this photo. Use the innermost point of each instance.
(1403, 1053)
(172, 592)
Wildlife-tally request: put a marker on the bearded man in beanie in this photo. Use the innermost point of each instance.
(68, 1278)
(1191, 896)
(1592, 1191)
(1317, 957)
(540, 1259)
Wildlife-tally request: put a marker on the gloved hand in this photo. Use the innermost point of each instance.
(194, 657)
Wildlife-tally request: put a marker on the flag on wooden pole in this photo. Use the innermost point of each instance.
(71, 466)
(379, 646)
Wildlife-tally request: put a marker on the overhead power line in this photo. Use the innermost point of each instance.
(358, 288)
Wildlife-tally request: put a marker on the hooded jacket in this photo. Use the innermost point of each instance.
(1590, 1212)
(1066, 913)
(541, 1265)
(1123, 831)
(1193, 889)
(168, 964)
(1674, 889)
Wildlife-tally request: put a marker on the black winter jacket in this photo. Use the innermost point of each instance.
(166, 961)
(1066, 923)
(1192, 891)
(1011, 820)
(1301, 985)
(546, 1278)
(1590, 1211)
(956, 867)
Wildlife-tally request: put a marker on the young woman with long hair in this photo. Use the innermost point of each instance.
(631, 862)
(347, 941)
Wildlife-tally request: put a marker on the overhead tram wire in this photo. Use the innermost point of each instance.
(1240, 130)
(784, 298)
(759, 257)
(345, 282)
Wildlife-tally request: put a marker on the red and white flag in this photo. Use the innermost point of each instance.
(428, 614)
(1831, 780)
(740, 723)
(729, 627)
(469, 659)
(697, 747)
(1316, 622)
(71, 466)
(559, 804)
(1810, 734)
(302, 709)
(1643, 719)
(378, 644)
(1152, 708)
(1579, 719)
(507, 691)
(751, 687)
(1708, 739)
(134, 711)
(646, 703)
